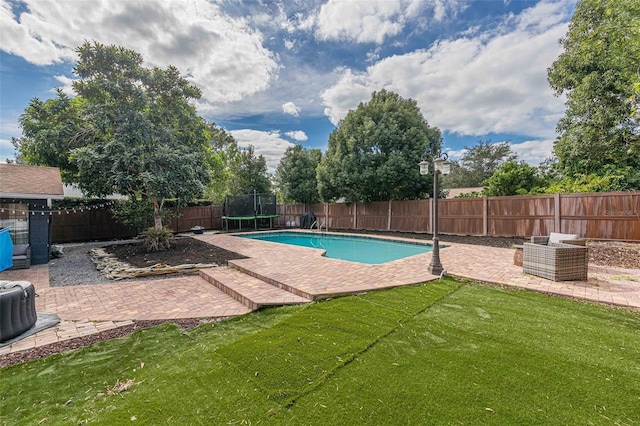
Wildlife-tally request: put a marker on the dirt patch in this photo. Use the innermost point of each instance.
(614, 253)
(80, 342)
(184, 250)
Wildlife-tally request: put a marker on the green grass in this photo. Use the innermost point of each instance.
(441, 353)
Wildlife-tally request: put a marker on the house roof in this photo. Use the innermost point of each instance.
(30, 182)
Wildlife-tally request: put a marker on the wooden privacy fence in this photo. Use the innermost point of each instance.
(613, 215)
(95, 225)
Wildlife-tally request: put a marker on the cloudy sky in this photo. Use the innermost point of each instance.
(278, 73)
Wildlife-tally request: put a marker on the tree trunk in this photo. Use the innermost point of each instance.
(157, 217)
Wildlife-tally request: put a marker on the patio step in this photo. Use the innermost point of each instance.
(265, 278)
(250, 291)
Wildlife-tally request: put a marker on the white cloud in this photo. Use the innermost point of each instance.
(493, 83)
(534, 152)
(373, 55)
(220, 54)
(297, 135)
(291, 109)
(66, 87)
(345, 95)
(268, 144)
(24, 35)
(300, 81)
(455, 154)
(373, 21)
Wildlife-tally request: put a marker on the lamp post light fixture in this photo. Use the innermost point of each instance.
(443, 166)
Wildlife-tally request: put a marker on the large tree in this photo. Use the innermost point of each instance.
(374, 153)
(597, 72)
(249, 172)
(132, 130)
(224, 149)
(513, 178)
(234, 171)
(478, 163)
(296, 175)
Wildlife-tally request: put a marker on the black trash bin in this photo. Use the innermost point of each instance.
(307, 220)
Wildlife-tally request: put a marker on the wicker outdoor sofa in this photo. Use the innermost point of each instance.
(21, 256)
(558, 257)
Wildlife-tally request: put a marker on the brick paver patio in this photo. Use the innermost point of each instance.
(301, 271)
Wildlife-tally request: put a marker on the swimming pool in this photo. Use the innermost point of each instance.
(372, 251)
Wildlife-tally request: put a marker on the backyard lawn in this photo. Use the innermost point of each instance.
(447, 352)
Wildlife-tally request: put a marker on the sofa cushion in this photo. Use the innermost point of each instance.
(20, 249)
(555, 238)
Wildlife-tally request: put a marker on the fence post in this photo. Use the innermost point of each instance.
(326, 216)
(485, 216)
(389, 217)
(355, 215)
(556, 215)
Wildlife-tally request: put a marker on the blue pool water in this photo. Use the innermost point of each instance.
(353, 248)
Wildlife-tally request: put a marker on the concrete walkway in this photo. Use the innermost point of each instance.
(296, 275)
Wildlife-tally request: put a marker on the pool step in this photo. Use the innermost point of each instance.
(250, 291)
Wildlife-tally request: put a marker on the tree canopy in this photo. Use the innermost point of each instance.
(131, 130)
(51, 130)
(248, 171)
(599, 72)
(374, 153)
(296, 175)
(478, 163)
(512, 178)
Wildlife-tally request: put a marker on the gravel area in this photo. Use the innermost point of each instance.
(75, 267)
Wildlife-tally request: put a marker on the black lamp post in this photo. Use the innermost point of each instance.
(440, 165)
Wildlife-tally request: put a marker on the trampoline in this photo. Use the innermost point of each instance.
(252, 207)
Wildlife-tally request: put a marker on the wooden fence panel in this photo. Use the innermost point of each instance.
(340, 216)
(373, 216)
(87, 225)
(289, 214)
(320, 211)
(612, 215)
(209, 217)
(461, 216)
(521, 216)
(411, 216)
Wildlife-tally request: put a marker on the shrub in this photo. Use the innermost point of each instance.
(157, 239)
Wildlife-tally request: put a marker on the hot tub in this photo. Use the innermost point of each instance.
(17, 308)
